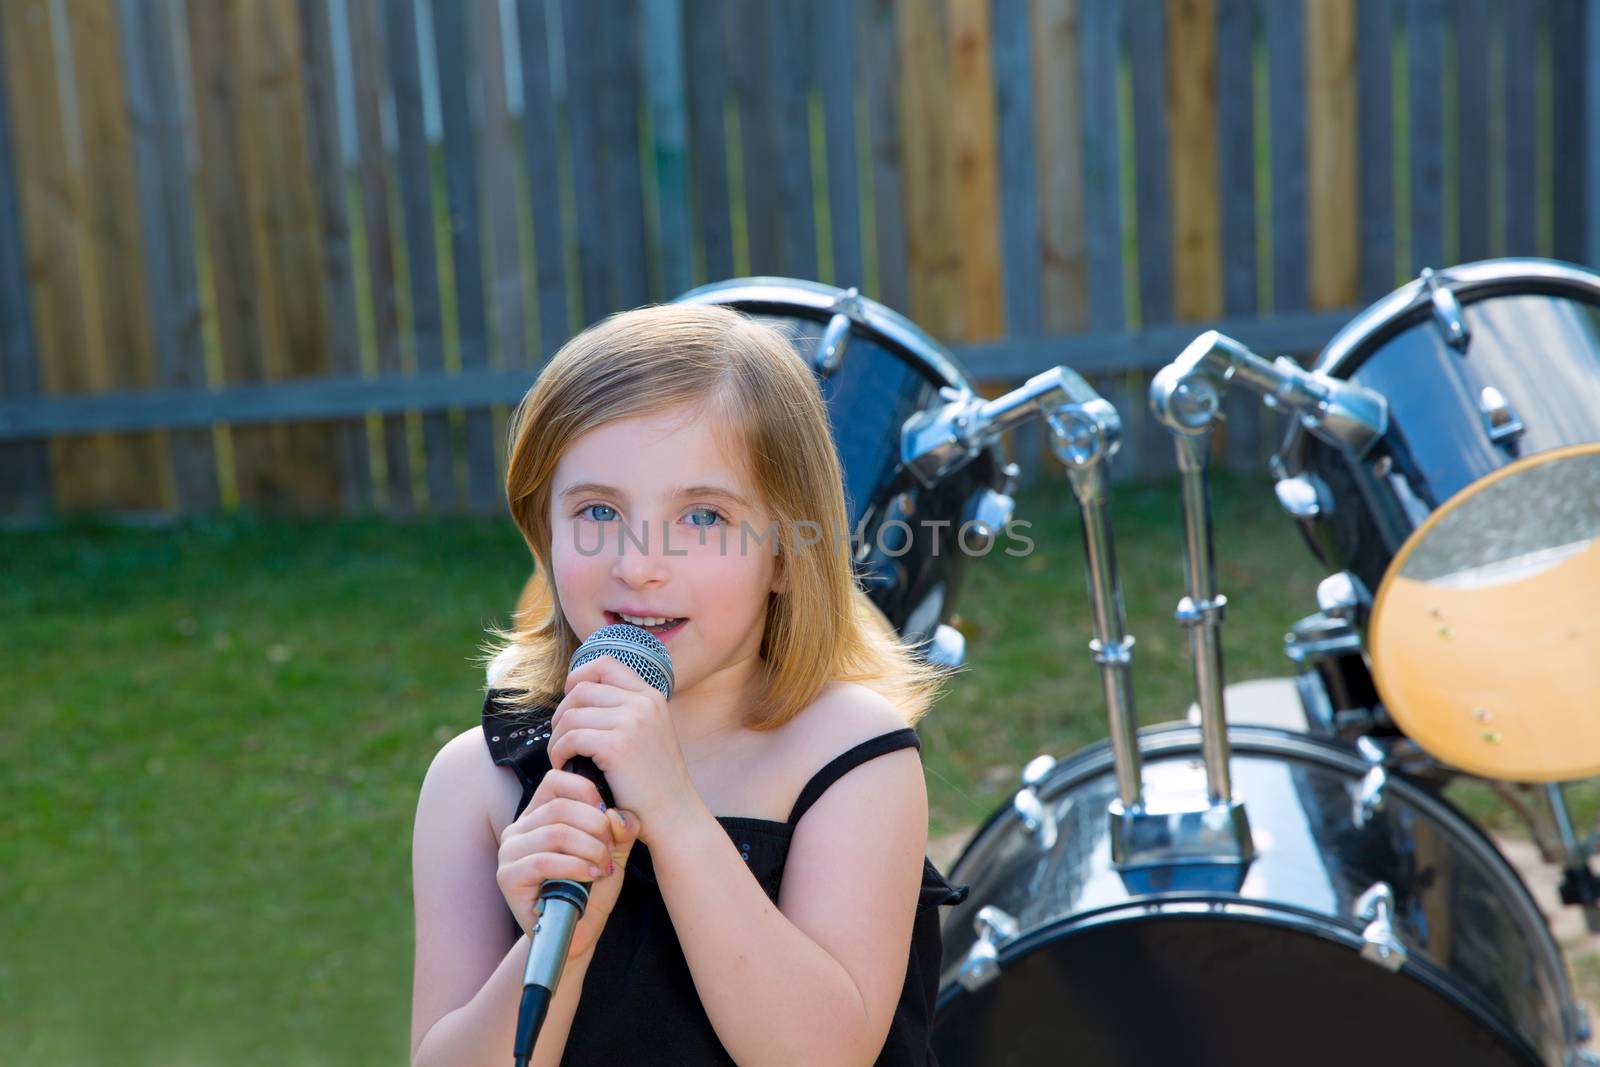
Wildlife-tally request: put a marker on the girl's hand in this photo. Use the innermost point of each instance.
(564, 834)
(612, 716)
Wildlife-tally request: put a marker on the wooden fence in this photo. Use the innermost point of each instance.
(301, 254)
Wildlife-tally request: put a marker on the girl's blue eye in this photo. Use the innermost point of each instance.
(584, 512)
(713, 512)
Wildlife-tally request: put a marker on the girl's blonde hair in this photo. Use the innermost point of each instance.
(761, 396)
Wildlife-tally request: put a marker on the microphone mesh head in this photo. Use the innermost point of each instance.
(636, 648)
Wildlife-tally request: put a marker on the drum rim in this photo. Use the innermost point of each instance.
(1173, 907)
(1172, 738)
(1470, 282)
(820, 297)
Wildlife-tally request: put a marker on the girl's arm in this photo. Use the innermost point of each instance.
(817, 979)
(467, 984)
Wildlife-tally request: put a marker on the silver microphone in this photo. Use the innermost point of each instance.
(562, 901)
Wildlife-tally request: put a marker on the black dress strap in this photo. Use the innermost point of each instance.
(848, 761)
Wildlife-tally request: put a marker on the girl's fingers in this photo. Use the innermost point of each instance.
(535, 870)
(586, 817)
(559, 839)
(557, 783)
(575, 742)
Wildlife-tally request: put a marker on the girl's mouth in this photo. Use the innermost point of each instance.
(663, 632)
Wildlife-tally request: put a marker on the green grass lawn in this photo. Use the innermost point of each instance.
(214, 734)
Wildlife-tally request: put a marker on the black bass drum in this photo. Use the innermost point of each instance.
(1386, 933)
(877, 369)
(1482, 365)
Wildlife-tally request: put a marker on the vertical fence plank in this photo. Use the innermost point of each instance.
(1235, 88)
(1192, 129)
(836, 80)
(369, 79)
(1521, 125)
(1425, 41)
(416, 197)
(456, 91)
(1147, 43)
(121, 348)
(286, 241)
(708, 94)
(1568, 163)
(327, 170)
(1331, 151)
(934, 260)
(501, 185)
(669, 124)
(1059, 139)
(172, 286)
(580, 27)
(976, 179)
(751, 30)
(1285, 39)
(544, 176)
(1472, 129)
(24, 465)
(791, 74)
(226, 198)
(1019, 198)
(1100, 38)
(616, 99)
(880, 65)
(1375, 145)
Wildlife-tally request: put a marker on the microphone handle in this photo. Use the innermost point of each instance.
(561, 904)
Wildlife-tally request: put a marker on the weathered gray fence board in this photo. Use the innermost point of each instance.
(791, 76)
(369, 77)
(1568, 172)
(1375, 144)
(617, 104)
(580, 29)
(880, 75)
(669, 126)
(1019, 197)
(1472, 129)
(708, 94)
(502, 192)
(1517, 30)
(1425, 39)
(416, 197)
(456, 90)
(836, 80)
(1100, 39)
(24, 465)
(1147, 45)
(750, 30)
(1235, 91)
(544, 176)
(327, 167)
(1284, 30)
(172, 281)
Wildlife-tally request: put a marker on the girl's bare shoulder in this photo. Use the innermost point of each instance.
(465, 769)
(842, 716)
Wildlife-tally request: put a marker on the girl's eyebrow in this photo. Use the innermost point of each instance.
(577, 488)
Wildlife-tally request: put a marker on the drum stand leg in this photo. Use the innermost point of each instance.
(1579, 885)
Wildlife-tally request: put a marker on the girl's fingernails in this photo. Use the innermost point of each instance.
(594, 872)
(602, 805)
(611, 868)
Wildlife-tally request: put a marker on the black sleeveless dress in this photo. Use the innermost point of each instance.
(638, 970)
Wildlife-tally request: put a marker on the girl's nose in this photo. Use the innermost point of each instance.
(640, 559)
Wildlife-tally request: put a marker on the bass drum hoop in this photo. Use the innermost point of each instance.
(1177, 906)
(1409, 305)
(1159, 740)
(770, 295)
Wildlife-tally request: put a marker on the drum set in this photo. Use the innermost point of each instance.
(1219, 892)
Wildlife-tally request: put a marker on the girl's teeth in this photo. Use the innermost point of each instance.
(638, 620)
